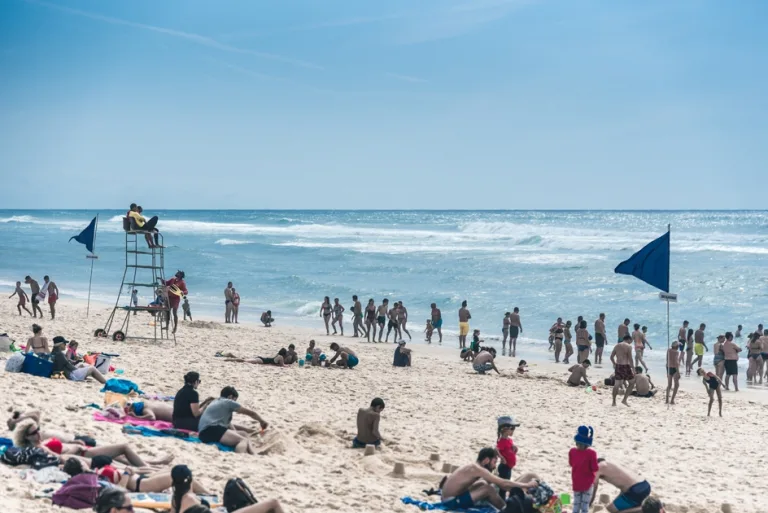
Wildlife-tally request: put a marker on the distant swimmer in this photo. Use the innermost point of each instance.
(370, 320)
(621, 358)
(437, 321)
(515, 328)
(381, 317)
(699, 347)
(22, 298)
(338, 316)
(738, 331)
(228, 303)
(623, 330)
(403, 319)
(235, 305)
(53, 295)
(34, 290)
(673, 372)
(325, 312)
(600, 338)
(464, 317)
(347, 359)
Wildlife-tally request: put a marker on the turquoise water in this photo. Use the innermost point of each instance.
(549, 264)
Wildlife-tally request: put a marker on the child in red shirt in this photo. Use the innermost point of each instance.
(583, 461)
(506, 448)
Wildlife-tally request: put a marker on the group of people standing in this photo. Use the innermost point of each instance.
(37, 294)
(366, 320)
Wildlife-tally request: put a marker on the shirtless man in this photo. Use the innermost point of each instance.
(472, 484)
(764, 354)
(368, 425)
(394, 323)
(600, 338)
(437, 321)
(347, 359)
(682, 336)
(673, 371)
(152, 410)
(578, 375)
(338, 316)
(22, 298)
(731, 353)
(639, 339)
(403, 319)
(464, 317)
(642, 384)
(515, 328)
(34, 290)
(621, 358)
(357, 318)
(623, 330)
(483, 361)
(53, 295)
(228, 303)
(381, 317)
(370, 320)
(633, 490)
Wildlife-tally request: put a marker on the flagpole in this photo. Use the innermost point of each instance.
(93, 258)
(669, 230)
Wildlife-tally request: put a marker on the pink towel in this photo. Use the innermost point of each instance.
(133, 421)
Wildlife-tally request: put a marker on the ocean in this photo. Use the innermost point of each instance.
(547, 263)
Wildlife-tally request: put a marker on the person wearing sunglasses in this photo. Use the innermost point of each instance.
(113, 500)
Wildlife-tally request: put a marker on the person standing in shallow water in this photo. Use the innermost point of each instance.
(505, 333)
(325, 312)
(464, 317)
(515, 328)
(437, 321)
(338, 316)
(600, 338)
(228, 303)
(403, 319)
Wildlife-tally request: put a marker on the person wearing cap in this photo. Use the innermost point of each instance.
(506, 448)
(402, 355)
(368, 425)
(61, 364)
(173, 299)
(583, 462)
(633, 490)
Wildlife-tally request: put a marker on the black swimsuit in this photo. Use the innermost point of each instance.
(713, 383)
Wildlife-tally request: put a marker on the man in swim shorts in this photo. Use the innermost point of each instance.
(600, 338)
(483, 361)
(53, 295)
(633, 490)
(394, 323)
(22, 298)
(437, 321)
(464, 317)
(228, 303)
(472, 484)
(731, 354)
(515, 328)
(347, 358)
(381, 316)
(673, 371)
(578, 375)
(34, 290)
(368, 425)
(621, 358)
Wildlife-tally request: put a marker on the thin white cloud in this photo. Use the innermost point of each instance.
(348, 22)
(406, 78)
(195, 38)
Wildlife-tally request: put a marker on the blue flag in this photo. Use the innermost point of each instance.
(88, 236)
(650, 264)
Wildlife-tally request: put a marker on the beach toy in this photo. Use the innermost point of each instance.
(301, 363)
(565, 498)
(399, 469)
(176, 291)
(370, 450)
(446, 468)
(119, 371)
(434, 457)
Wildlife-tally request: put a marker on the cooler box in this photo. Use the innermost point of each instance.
(37, 366)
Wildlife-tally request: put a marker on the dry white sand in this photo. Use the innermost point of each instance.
(439, 405)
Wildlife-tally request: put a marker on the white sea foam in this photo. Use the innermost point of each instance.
(233, 242)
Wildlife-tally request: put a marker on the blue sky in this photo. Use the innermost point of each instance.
(397, 104)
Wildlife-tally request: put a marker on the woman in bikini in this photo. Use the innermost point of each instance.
(568, 344)
(558, 344)
(673, 371)
(713, 385)
(37, 343)
(370, 320)
(325, 313)
(754, 355)
(338, 316)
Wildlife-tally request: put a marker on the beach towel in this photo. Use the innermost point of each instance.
(158, 397)
(176, 433)
(132, 421)
(121, 386)
(439, 506)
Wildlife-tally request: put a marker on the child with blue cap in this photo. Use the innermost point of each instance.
(583, 462)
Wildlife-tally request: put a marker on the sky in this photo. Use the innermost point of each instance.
(402, 104)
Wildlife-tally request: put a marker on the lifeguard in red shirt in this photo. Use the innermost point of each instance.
(176, 289)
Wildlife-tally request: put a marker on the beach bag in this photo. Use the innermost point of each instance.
(33, 456)
(37, 366)
(102, 363)
(80, 492)
(15, 363)
(237, 495)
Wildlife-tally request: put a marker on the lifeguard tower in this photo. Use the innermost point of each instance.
(143, 270)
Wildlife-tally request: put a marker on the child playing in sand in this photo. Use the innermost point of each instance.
(583, 462)
(186, 309)
(522, 367)
(506, 448)
(429, 331)
(475, 345)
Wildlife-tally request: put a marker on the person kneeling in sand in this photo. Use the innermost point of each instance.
(347, 359)
(642, 384)
(483, 361)
(633, 490)
(472, 484)
(216, 422)
(402, 355)
(266, 319)
(578, 375)
(368, 425)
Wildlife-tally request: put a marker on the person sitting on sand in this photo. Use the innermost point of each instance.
(37, 343)
(642, 384)
(61, 365)
(653, 505)
(186, 404)
(267, 506)
(291, 356)
(267, 319)
(483, 361)
(472, 484)
(149, 410)
(216, 422)
(522, 367)
(633, 490)
(673, 371)
(347, 359)
(28, 434)
(71, 353)
(713, 385)
(621, 358)
(314, 355)
(368, 425)
(402, 355)
(578, 377)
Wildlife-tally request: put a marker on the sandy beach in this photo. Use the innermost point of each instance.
(439, 405)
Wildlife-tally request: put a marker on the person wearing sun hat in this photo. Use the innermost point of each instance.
(506, 448)
(584, 468)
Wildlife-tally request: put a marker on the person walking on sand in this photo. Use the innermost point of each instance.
(639, 339)
(135, 300)
(699, 347)
(368, 425)
(393, 323)
(464, 317)
(34, 290)
(731, 355)
(621, 358)
(600, 338)
(713, 385)
(403, 319)
(228, 303)
(381, 317)
(623, 330)
(53, 295)
(673, 371)
(22, 298)
(370, 320)
(515, 328)
(338, 316)
(682, 336)
(357, 318)
(633, 490)
(325, 312)
(437, 321)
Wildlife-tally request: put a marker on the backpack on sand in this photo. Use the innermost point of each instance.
(237, 495)
(80, 492)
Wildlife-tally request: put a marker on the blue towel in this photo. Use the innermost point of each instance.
(5, 442)
(145, 431)
(438, 506)
(121, 386)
